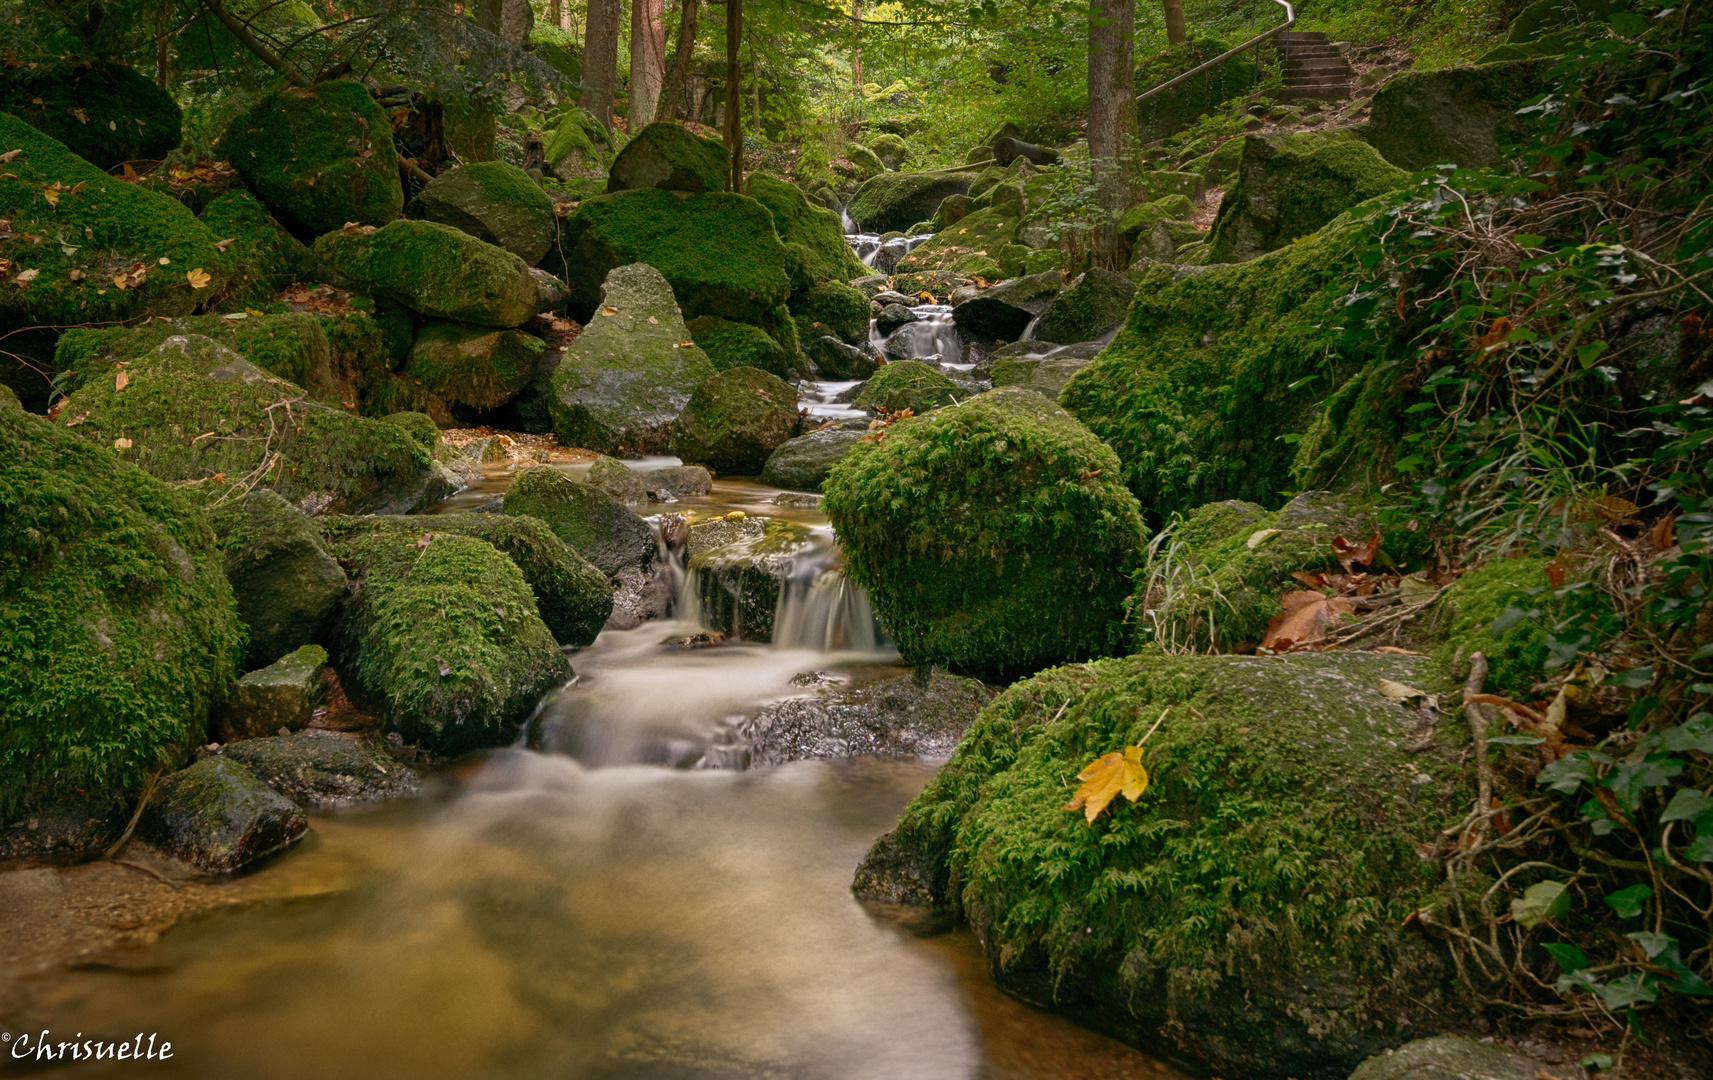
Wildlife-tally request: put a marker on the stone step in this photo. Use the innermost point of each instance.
(1303, 84)
(1311, 51)
(1314, 93)
(1318, 67)
(1302, 37)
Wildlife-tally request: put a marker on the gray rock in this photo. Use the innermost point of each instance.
(872, 285)
(219, 817)
(1091, 307)
(678, 482)
(1003, 312)
(618, 480)
(601, 528)
(907, 716)
(321, 768)
(407, 494)
(631, 371)
(550, 293)
(282, 695)
(494, 201)
(836, 360)
(64, 831)
(1044, 370)
(1452, 1057)
(803, 463)
(285, 583)
(1460, 115)
(1288, 186)
(891, 317)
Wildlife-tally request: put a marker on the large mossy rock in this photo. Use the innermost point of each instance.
(294, 346)
(831, 309)
(970, 245)
(740, 569)
(591, 521)
(734, 344)
(115, 227)
(812, 234)
(265, 257)
(1461, 115)
(117, 626)
(578, 150)
(994, 538)
(285, 583)
(1005, 311)
(666, 155)
(572, 595)
(217, 816)
(480, 366)
(1248, 911)
(1288, 186)
(1040, 366)
(631, 371)
(906, 384)
(493, 201)
(103, 112)
(718, 250)
(317, 457)
(802, 464)
(319, 158)
(734, 420)
(443, 638)
(1092, 306)
(434, 270)
(895, 201)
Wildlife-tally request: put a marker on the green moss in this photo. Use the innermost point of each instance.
(974, 239)
(868, 164)
(1247, 911)
(434, 270)
(117, 626)
(294, 347)
(733, 344)
(445, 636)
(367, 346)
(495, 202)
(419, 426)
(1219, 166)
(899, 200)
(906, 384)
(889, 148)
(992, 537)
(831, 309)
(1475, 600)
(667, 155)
(103, 112)
(319, 158)
(734, 420)
(265, 258)
(479, 366)
(1289, 186)
(815, 231)
(594, 523)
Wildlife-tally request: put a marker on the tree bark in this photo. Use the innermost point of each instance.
(556, 12)
(1111, 115)
(601, 59)
(856, 50)
(734, 90)
(647, 60)
(682, 53)
(254, 44)
(1176, 34)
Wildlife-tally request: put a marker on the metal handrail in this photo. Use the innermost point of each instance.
(1290, 21)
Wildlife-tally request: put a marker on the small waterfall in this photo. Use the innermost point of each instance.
(882, 256)
(932, 338)
(825, 611)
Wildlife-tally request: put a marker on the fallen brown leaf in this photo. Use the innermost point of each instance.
(1302, 619)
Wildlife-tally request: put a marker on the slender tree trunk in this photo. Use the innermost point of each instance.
(1175, 32)
(647, 60)
(755, 82)
(856, 50)
(678, 77)
(556, 12)
(1111, 115)
(734, 90)
(163, 38)
(601, 59)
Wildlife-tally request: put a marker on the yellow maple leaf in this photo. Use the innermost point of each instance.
(198, 278)
(1107, 777)
(51, 194)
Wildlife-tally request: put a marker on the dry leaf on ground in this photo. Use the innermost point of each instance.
(1302, 619)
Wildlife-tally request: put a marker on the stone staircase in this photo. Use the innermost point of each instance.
(1314, 69)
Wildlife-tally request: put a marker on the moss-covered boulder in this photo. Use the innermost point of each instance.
(740, 569)
(1219, 165)
(479, 366)
(265, 257)
(493, 201)
(802, 464)
(1248, 912)
(1290, 185)
(103, 112)
(896, 201)
(321, 769)
(618, 480)
(598, 526)
(1461, 115)
(890, 149)
(572, 596)
(435, 270)
(971, 245)
(1003, 312)
(117, 627)
(811, 234)
(631, 371)
(836, 360)
(578, 150)
(668, 156)
(1092, 306)
(832, 308)
(1504, 609)
(718, 250)
(195, 411)
(217, 816)
(293, 346)
(113, 229)
(906, 384)
(319, 158)
(284, 582)
(444, 639)
(734, 420)
(734, 344)
(992, 538)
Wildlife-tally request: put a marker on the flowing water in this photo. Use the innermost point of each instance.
(568, 912)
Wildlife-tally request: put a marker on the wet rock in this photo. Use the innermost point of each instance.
(282, 695)
(318, 158)
(493, 201)
(629, 373)
(735, 419)
(668, 156)
(899, 200)
(906, 384)
(1003, 312)
(899, 717)
(733, 344)
(872, 285)
(803, 462)
(1044, 369)
(319, 768)
(1460, 114)
(1453, 1057)
(285, 584)
(600, 527)
(64, 830)
(801, 499)
(738, 570)
(219, 817)
(891, 317)
(436, 271)
(125, 116)
(836, 360)
(618, 480)
(1288, 186)
(678, 482)
(1092, 306)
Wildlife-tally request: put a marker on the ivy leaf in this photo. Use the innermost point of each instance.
(1107, 777)
(1701, 850)
(1540, 902)
(1686, 805)
(1653, 944)
(1628, 902)
(1626, 993)
(1568, 956)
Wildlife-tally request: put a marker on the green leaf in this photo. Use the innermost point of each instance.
(1626, 992)
(1696, 733)
(1701, 850)
(1633, 678)
(1588, 355)
(1628, 23)
(1686, 805)
(1529, 240)
(1568, 956)
(1541, 901)
(1596, 1061)
(1628, 902)
(1653, 944)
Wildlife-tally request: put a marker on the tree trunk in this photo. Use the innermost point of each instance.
(163, 38)
(647, 60)
(754, 83)
(734, 90)
(556, 12)
(601, 59)
(856, 50)
(1175, 32)
(677, 78)
(1111, 115)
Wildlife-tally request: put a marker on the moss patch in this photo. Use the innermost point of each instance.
(434, 270)
(831, 308)
(294, 347)
(967, 246)
(1289, 186)
(906, 384)
(265, 258)
(813, 233)
(1475, 602)
(733, 344)
(103, 112)
(899, 200)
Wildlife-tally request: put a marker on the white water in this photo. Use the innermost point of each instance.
(883, 256)
(932, 338)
